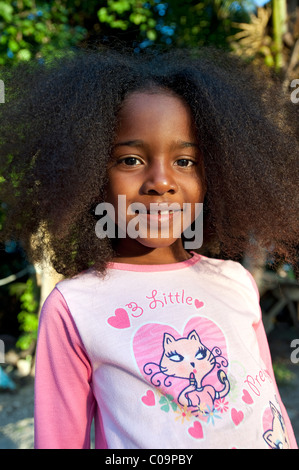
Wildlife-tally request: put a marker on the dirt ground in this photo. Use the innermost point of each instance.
(16, 409)
(16, 417)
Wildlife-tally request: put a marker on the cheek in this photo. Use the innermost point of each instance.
(194, 197)
(194, 189)
(182, 368)
(122, 183)
(115, 187)
(199, 188)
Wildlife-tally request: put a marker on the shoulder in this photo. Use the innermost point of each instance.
(77, 285)
(56, 308)
(231, 273)
(55, 312)
(220, 266)
(57, 328)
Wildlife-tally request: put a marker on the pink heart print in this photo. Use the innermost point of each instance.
(247, 397)
(120, 319)
(149, 398)
(198, 304)
(237, 416)
(196, 430)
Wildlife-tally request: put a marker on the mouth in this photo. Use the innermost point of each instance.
(162, 215)
(159, 215)
(163, 212)
(161, 209)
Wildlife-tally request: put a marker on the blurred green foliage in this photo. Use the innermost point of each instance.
(28, 293)
(35, 29)
(176, 23)
(283, 375)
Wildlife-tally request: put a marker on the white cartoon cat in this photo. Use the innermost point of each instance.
(189, 359)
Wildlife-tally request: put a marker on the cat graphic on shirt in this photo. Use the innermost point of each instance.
(277, 437)
(190, 359)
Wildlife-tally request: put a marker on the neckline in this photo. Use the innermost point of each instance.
(155, 267)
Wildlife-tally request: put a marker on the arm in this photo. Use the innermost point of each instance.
(64, 402)
(183, 399)
(266, 356)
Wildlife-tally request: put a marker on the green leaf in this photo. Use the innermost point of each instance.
(13, 45)
(174, 406)
(167, 401)
(24, 54)
(151, 34)
(119, 6)
(3, 39)
(169, 397)
(137, 18)
(103, 15)
(6, 11)
(163, 400)
(11, 30)
(165, 408)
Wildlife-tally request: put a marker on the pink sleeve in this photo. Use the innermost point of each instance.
(266, 357)
(64, 401)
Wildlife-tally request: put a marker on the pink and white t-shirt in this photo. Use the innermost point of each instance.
(161, 357)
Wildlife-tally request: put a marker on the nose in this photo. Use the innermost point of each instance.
(192, 364)
(159, 180)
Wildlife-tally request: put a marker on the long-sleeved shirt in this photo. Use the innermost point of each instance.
(168, 356)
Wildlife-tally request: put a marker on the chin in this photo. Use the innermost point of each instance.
(156, 242)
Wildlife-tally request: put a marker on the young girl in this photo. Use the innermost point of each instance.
(158, 343)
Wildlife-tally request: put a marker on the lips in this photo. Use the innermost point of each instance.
(159, 218)
(158, 208)
(163, 211)
(166, 212)
(161, 215)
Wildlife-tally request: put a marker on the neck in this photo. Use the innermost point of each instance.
(152, 256)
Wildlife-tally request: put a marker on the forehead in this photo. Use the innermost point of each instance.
(153, 110)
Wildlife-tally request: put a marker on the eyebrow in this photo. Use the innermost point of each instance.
(130, 143)
(140, 143)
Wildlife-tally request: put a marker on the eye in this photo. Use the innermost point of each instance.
(185, 162)
(130, 161)
(201, 354)
(174, 356)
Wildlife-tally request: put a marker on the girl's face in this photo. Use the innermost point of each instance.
(155, 160)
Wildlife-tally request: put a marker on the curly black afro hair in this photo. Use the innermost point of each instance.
(57, 131)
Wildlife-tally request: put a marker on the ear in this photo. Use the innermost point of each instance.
(193, 336)
(168, 339)
(274, 410)
(268, 436)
